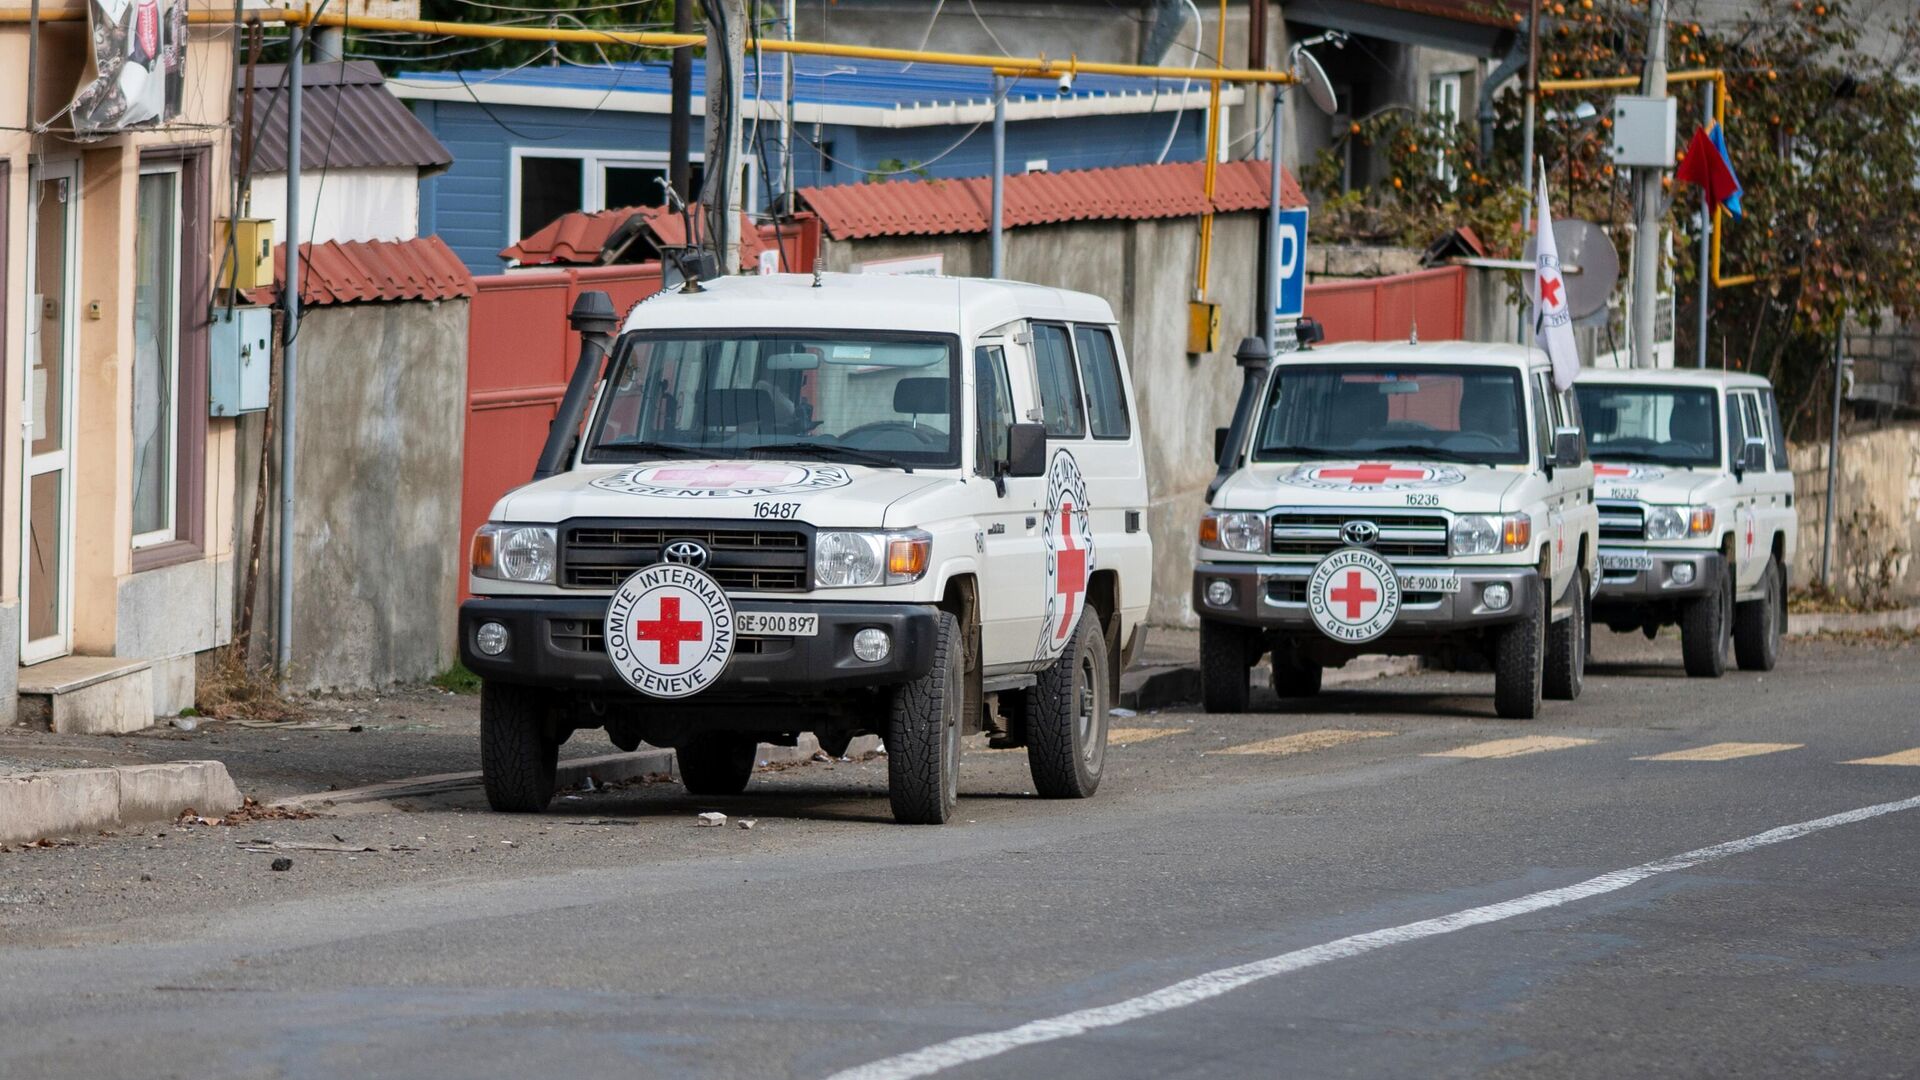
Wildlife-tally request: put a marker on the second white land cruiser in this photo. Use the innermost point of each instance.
(1416, 499)
(904, 506)
(1697, 525)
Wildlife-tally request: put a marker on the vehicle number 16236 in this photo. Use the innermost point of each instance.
(776, 509)
(1416, 499)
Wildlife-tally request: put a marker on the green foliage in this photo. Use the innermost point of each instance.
(1824, 133)
(895, 168)
(457, 680)
(412, 53)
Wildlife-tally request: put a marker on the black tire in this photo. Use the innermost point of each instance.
(1067, 718)
(1226, 656)
(923, 734)
(1756, 624)
(1706, 624)
(1518, 668)
(1566, 673)
(1294, 677)
(519, 755)
(717, 764)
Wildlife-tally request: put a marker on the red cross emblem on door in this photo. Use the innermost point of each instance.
(669, 631)
(1373, 473)
(1070, 571)
(1354, 594)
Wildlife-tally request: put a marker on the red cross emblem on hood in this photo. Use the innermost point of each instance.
(1378, 472)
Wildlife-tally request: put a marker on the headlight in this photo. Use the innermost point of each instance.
(516, 553)
(1679, 522)
(845, 559)
(1233, 530)
(1474, 534)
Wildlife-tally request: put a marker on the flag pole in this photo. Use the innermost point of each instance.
(1706, 240)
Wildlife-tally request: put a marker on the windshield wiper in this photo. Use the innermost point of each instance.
(1432, 453)
(828, 450)
(1634, 455)
(660, 449)
(1272, 453)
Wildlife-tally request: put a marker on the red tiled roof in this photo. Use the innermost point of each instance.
(582, 237)
(372, 271)
(1125, 193)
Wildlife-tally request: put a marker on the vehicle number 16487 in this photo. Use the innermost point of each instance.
(775, 509)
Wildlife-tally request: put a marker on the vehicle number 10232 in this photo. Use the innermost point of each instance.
(1416, 499)
(782, 510)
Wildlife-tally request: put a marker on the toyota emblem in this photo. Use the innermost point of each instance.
(686, 553)
(1360, 533)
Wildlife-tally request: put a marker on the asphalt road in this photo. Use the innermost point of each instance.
(1330, 891)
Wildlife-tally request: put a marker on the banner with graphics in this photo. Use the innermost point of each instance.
(138, 66)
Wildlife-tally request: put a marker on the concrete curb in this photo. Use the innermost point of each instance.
(64, 802)
(1836, 622)
(605, 769)
(1167, 685)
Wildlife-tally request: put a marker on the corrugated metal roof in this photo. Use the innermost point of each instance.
(818, 80)
(347, 120)
(582, 237)
(372, 271)
(1126, 193)
(1468, 11)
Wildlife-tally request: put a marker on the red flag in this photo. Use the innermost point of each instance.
(1706, 168)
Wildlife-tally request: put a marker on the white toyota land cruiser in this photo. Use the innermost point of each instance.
(1415, 499)
(905, 506)
(1697, 525)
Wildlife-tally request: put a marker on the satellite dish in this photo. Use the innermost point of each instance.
(1314, 79)
(1584, 245)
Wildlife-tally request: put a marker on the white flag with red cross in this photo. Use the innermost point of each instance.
(1552, 322)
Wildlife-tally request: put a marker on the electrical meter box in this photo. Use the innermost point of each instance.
(251, 266)
(1643, 132)
(240, 360)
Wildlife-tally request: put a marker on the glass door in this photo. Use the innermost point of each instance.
(46, 570)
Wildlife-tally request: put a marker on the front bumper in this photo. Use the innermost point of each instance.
(1643, 575)
(1272, 596)
(555, 641)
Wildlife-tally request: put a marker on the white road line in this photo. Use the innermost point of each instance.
(970, 1048)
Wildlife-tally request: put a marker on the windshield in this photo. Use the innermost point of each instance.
(1427, 412)
(866, 398)
(1663, 425)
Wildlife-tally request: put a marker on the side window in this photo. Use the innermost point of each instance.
(1736, 435)
(1543, 420)
(993, 400)
(1568, 413)
(1059, 386)
(1100, 371)
(1750, 409)
(1776, 432)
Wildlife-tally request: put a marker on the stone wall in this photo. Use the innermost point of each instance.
(1877, 514)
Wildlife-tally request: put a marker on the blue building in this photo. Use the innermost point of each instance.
(531, 144)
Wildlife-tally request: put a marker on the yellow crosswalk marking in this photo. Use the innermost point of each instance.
(1904, 757)
(1723, 751)
(1121, 736)
(1303, 742)
(1505, 748)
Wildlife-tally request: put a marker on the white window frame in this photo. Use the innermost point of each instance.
(593, 179)
(171, 375)
(1438, 87)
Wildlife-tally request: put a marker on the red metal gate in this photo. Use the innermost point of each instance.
(1388, 308)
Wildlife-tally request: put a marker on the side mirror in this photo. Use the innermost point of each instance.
(1568, 447)
(1753, 457)
(1219, 443)
(1027, 450)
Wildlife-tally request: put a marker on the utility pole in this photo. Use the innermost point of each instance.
(1647, 200)
(996, 229)
(289, 356)
(726, 52)
(680, 127)
(1526, 140)
(786, 112)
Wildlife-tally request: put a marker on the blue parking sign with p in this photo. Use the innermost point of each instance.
(1291, 259)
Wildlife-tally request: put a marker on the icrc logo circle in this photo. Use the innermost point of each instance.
(670, 631)
(1373, 476)
(724, 480)
(1353, 595)
(1067, 530)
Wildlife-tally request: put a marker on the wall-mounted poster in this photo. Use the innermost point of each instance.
(138, 65)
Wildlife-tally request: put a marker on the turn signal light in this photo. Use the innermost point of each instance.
(482, 551)
(1517, 532)
(908, 558)
(1700, 522)
(1210, 531)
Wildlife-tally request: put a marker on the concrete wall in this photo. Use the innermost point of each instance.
(1877, 513)
(1145, 270)
(377, 551)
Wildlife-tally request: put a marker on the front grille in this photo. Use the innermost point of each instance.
(601, 556)
(1622, 521)
(1287, 590)
(1401, 535)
